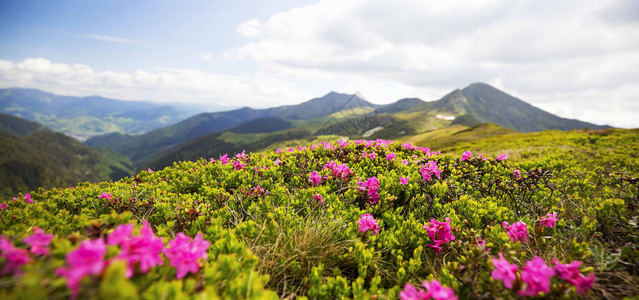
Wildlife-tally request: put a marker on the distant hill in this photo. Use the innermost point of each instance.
(83, 117)
(32, 156)
(142, 149)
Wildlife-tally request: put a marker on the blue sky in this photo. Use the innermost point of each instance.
(576, 59)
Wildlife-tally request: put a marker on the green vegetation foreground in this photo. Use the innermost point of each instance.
(362, 219)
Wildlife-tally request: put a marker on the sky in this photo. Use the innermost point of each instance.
(575, 59)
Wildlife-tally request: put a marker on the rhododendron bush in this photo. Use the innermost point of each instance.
(346, 219)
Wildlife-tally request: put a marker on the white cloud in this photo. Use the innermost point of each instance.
(113, 39)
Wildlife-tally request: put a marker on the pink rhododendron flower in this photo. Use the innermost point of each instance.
(258, 190)
(403, 180)
(411, 293)
(466, 155)
(319, 198)
(224, 159)
(517, 174)
(142, 250)
(502, 156)
(366, 223)
(373, 155)
(430, 169)
(342, 143)
(315, 178)
(371, 186)
(120, 234)
(584, 284)
(570, 273)
(278, 151)
(439, 232)
(536, 275)
(14, 258)
(550, 220)
(3, 206)
(184, 253)
(27, 198)
(341, 170)
(238, 165)
(105, 195)
(391, 156)
(404, 162)
(241, 155)
(504, 271)
(517, 231)
(435, 290)
(38, 241)
(87, 259)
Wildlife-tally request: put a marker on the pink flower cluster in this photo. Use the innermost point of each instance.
(27, 198)
(550, 220)
(238, 165)
(105, 195)
(38, 242)
(517, 174)
(368, 223)
(502, 157)
(425, 150)
(224, 159)
(403, 180)
(341, 170)
(466, 155)
(14, 257)
(315, 178)
(517, 232)
(433, 290)
(430, 169)
(371, 186)
(139, 252)
(391, 156)
(536, 275)
(440, 233)
(319, 198)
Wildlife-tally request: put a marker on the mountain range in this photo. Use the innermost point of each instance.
(478, 110)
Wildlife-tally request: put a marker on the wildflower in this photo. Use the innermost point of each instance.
(550, 220)
(517, 232)
(584, 284)
(241, 155)
(439, 233)
(212, 160)
(366, 223)
(429, 170)
(342, 170)
(435, 290)
(120, 234)
(105, 195)
(403, 180)
(14, 257)
(405, 162)
(319, 198)
(87, 259)
(536, 275)
(391, 156)
(278, 151)
(342, 143)
(3, 206)
(570, 273)
(411, 293)
(38, 241)
(277, 161)
(502, 157)
(238, 165)
(504, 271)
(315, 178)
(151, 171)
(27, 198)
(258, 190)
(373, 155)
(517, 174)
(184, 253)
(224, 159)
(142, 250)
(466, 155)
(371, 185)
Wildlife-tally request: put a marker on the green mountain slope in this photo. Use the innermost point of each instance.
(44, 158)
(83, 117)
(17, 126)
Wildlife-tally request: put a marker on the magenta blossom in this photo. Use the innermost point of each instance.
(550, 220)
(3, 206)
(570, 273)
(338, 171)
(257, 190)
(342, 143)
(319, 198)
(517, 232)
(138, 250)
(105, 195)
(277, 161)
(439, 233)
(536, 275)
(430, 169)
(14, 257)
(120, 234)
(39, 241)
(315, 178)
(435, 290)
(371, 186)
(27, 198)
(224, 159)
(404, 162)
(184, 253)
(238, 165)
(149, 170)
(517, 174)
(466, 155)
(87, 259)
(391, 156)
(373, 155)
(504, 271)
(366, 223)
(412, 293)
(584, 284)
(403, 180)
(502, 157)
